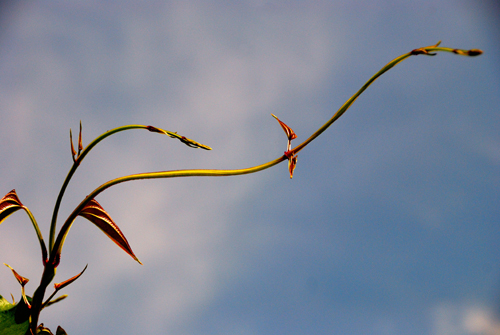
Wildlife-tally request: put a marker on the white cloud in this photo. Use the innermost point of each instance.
(452, 319)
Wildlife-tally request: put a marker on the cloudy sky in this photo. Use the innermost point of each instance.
(389, 226)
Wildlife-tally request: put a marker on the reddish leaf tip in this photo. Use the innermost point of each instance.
(155, 130)
(22, 280)
(59, 286)
(94, 212)
(290, 134)
(9, 204)
(80, 146)
(292, 163)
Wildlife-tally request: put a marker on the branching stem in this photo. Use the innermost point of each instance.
(56, 244)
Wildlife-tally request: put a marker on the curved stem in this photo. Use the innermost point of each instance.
(56, 246)
(38, 233)
(91, 145)
(218, 173)
(152, 175)
(72, 171)
(391, 64)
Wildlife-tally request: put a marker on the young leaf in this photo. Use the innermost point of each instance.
(10, 324)
(290, 134)
(73, 152)
(292, 162)
(288, 131)
(60, 286)
(22, 281)
(98, 216)
(60, 331)
(41, 330)
(56, 300)
(80, 145)
(190, 143)
(9, 204)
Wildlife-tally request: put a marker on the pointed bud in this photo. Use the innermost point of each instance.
(292, 162)
(73, 152)
(80, 146)
(190, 143)
(60, 331)
(475, 52)
(471, 52)
(97, 215)
(156, 130)
(55, 301)
(421, 51)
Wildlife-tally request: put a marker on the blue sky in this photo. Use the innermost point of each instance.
(389, 226)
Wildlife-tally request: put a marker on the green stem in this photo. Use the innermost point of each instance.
(84, 153)
(77, 162)
(38, 233)
(390, 65)
(152, 175)
(55, 245)
(57, 248)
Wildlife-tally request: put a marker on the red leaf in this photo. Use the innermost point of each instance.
(22, 281)
(292, 158)
(9, 204)
(60, 286)
(292, 162)
(288, 131)
(97, 215)
(73, 152)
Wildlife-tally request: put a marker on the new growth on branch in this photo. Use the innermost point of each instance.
(23, 317)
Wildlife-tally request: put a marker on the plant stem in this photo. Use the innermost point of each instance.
(38, 233)
(49, 272)
(56, 244)
(153, 175)
(77, 162)
(57, 247)
(390, 65)
(84, 153)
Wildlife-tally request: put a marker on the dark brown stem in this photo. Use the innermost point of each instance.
(36, 305)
